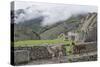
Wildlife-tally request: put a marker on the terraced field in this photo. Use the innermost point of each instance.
(40, 42)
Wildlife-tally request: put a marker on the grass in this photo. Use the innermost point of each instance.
(39, 42)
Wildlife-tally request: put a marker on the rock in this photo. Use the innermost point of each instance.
(21, 56)
(39, 52)
(89, 28)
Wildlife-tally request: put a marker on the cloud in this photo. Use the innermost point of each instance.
(52, 12)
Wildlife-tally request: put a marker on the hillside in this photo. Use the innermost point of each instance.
(70, 24)
(83, 24)
(89, 27)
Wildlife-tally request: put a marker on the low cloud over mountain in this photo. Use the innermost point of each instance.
(52, 13)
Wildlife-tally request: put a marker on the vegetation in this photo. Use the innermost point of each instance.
(40, 42)
(32, 33)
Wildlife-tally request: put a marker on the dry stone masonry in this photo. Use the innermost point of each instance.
(24, 55)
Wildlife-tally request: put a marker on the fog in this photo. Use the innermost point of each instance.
(52, 13)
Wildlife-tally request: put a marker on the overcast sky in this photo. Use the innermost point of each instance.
(52, 12)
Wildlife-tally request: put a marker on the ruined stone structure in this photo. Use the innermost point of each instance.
(85, 47)
(73, 36)
(21, 56)
(27, 54)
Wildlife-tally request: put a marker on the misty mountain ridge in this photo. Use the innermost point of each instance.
(54, 30)
(50, 16)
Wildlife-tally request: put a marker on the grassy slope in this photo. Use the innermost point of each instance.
(62, 27)
(52, 33)
(39, 42)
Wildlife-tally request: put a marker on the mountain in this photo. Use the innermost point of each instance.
(89, 27)
(25, 29)
(52, 32)
(83, 24)
(34, 24)
(24, 33)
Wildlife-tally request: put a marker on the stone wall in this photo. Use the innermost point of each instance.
(85, 47)
(21, 56)
(39, 52)
(27, 54)
(84, 58)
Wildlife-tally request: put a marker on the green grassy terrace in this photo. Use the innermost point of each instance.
(28, 43)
